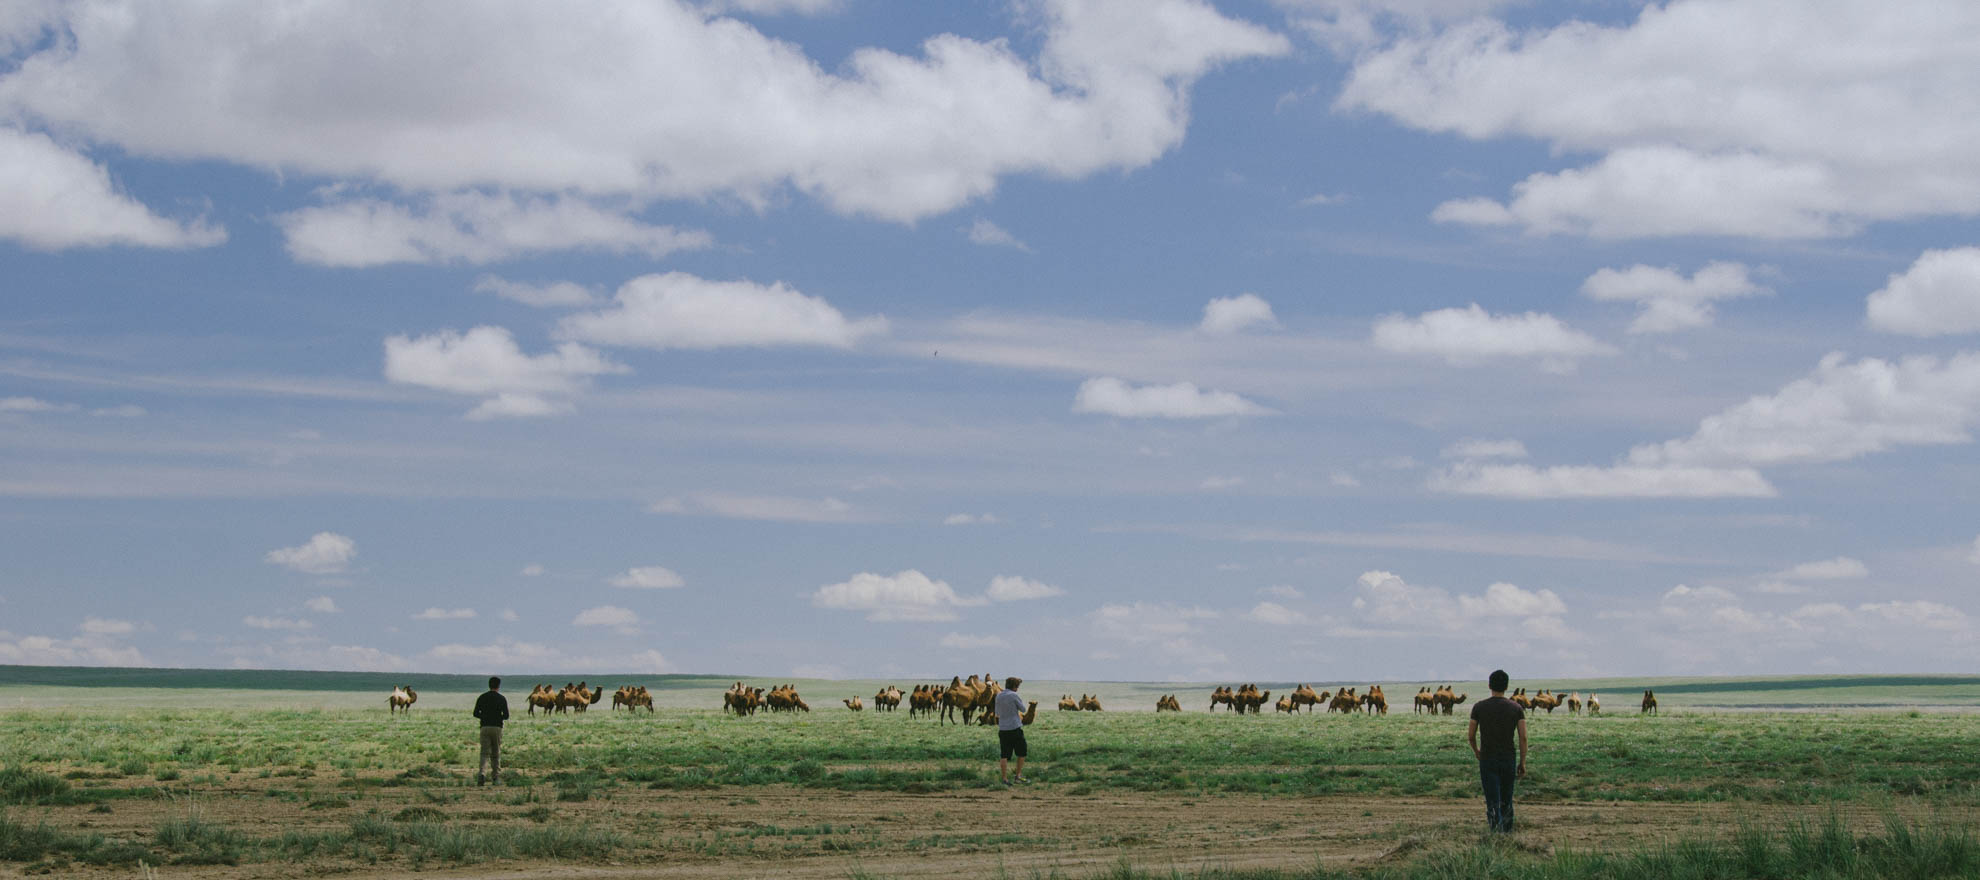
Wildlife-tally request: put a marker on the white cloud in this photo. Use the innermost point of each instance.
(1470, 335)
(33, 405)
(1476, 448)
(1842, 411)
(324, 553)
(98, 626)
(971, 519)
(87, 650)
(531, 570)
(1011, 588)
(1779, 588)
(556, 294)
(1939, 295)
(1974, 555)
(472, 228)
(1216, 483)
(1343, 479)
(536, 657)
(1183, 400)
(122, 411)
(961, 642)
(649, 577)
(445, 614)
(52, 199)
(510, 615)
(676, 104)
(989, 234)
(1143, 622)
(1839, 568)
(622, 619)
(762, 507)
(907, 595)
(486, 362)
(283, 623)
(1233, 313)
(1384, 598)
(678, 310)
(1620, 481)
(775, 7)
(1709, 116)
(322, 605)
(1282, 591)
(1668, 299)
(1508, 600)
(1276, 615)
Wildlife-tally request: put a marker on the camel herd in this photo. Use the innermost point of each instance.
(961, 700)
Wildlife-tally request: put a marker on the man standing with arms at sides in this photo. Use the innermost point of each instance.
(492, 709)
(1498, 764)
(1010, 729)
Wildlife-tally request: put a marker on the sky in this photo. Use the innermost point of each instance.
(1325, 340)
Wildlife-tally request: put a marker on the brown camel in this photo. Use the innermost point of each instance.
(1286, 705)
(1649, 703)
(1168, 703)
(1222, 695)
(1376, 703)
(853, 704)
(1424, 700)
(1089, 703)
(402, 699)
(1304, 695)
(1067, 703)
(1594, 704)
(889, 698)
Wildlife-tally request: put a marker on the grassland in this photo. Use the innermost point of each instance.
(100, 785)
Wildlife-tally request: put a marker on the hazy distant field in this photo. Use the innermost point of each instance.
(311, 774)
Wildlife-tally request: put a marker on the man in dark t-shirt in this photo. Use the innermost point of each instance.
(492, 709)
(1498, 763)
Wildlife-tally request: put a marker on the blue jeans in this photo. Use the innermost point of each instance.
(1498, 775)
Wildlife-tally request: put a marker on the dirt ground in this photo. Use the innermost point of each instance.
(777, 831)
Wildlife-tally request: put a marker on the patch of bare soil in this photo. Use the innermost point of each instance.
(800, 833)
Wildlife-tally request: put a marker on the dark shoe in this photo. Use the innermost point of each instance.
(480, 779)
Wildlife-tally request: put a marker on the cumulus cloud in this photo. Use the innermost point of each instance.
(322, 605)
(98, 626)
(1282, 591)
(1582, 481)
(86, 650)
(1275, 614)
(1708, 116)
(555, 294)
(1475, 448)
(1670, 301)
(1183, 400)
(122, 411)
(283, 623)
(1471, 335)
(536, 656)
(1385, 598)
(763, 507)
(961, 642)
(53, 198)
(1230, 314)
(678, 310)
(486, 362)
(647, 577)
(531, 570)
(989, 234)
(324, 553)
(1938, 296)
(1144, 622)
(677, 104)
(908, 595)
(472, 228)
(1839, 568)
(445, 614)
(622, 619)
(1011, 588)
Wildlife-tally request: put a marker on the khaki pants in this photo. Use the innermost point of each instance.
(491, 751)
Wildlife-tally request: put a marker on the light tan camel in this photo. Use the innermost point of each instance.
(402, 699)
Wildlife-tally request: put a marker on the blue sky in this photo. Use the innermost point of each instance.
(1308, 339)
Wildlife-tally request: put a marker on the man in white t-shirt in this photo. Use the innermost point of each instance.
(1010, 730)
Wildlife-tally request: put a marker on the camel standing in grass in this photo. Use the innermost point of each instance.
(853, 704)
(632, 697)
(1089, 703)
(1344, 701)
(1424, 700)
(889, 698)
(1649, 703)
(925, 699)
(1223, 696)
(989, 719)
(1376, 704)
(1167, 703)
(542, 697)
(1574, 702)
(1519, 696)
(1447, 700)
(402, 699)
(1286, 705)
(1305, 696)
(1594, 705)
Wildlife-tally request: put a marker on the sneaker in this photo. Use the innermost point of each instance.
(1021, 780)
(480, 779)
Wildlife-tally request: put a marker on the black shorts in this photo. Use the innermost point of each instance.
(1011, 743)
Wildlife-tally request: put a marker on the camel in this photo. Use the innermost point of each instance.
(1344, 701)
(632, 696)
(1424, 700)
(1250, 699)
(1446, 700)
(1594, 705)
(960, 697)
(742, 699)
(1547, 701)
(855, 705)
(1519, 696)
(989, 719)
(889, 698)
(1168, 703)
(1221, 695)
(542, 697)
(1286, 705)
(1649, 703)
(579, 698)
(1067, 703)
(1574, 702)
(924, 700)
(402, 698)
(1304, 696)
(1089, 703)
(1376, 703)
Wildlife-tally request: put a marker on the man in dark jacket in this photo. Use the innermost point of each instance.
(492, 709)
(1498, 764)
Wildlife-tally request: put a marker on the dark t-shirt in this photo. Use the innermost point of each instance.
(1498, 718)
(492, 708)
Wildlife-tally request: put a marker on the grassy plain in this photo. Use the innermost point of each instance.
(213, 780)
